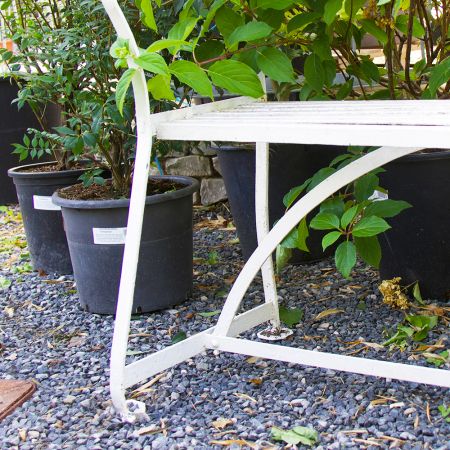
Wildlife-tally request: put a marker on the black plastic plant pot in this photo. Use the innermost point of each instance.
(417, 248)
(290, 165)
(96, 234)
(13, 125)
(42, 219)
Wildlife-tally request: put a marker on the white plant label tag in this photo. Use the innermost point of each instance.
(109, 236)
(378, 196)
(44, 203)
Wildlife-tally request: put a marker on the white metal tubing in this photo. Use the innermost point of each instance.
(157, 362)
(135, 215)
(364, 366)
(262, 223)
(312, 199)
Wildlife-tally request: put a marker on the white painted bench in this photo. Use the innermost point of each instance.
(398, 127)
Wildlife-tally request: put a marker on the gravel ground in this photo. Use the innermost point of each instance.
(45, 336)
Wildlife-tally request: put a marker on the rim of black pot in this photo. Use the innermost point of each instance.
(435, 155)
(191, 186)
(16, 172)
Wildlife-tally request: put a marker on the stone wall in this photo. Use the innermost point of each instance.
(201, 163)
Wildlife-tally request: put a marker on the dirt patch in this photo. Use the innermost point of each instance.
(106, 191)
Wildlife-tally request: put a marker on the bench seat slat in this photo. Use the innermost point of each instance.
(424, 123)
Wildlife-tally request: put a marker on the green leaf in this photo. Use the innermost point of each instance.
(320, 176)
(4, 283)
(298, 435)
(192, 75)
(445, 412)
(365, 185)
(368, 248)
(370, 226)
(212, 10)
(119, 49)
(159, 87)
(386, 208)
(278, 4)
(420, 321)
(334, 205)
(236, 78)
(325, 221)
(440, 74)
(152, 62)
(180, 336)
(330, 11)
(345, 90)
(369, 26)
(227, 21)
(182, 29)
(293, 194)
(300, 21)
(282, 257)
(330, 238)
(314, 72)
(210, 313)
(208, 50)
(147, 16)
(370, 70)
(297, 237)
(166, 43)
(122, 88)
(353, 6)
(348, 216)
(401, 23)
(345, 258)
(417, 294)
(251, 31)
(290, 316)
(275, 64)
(272, 17)
(303, 234)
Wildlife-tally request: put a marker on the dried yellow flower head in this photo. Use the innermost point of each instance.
(393, 294)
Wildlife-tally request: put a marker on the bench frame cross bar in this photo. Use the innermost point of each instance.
(230, 324)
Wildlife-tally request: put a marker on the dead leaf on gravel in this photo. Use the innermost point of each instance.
(220, 222)
(327, 312)
(9, 312)
(256, 381)
(146, 387)
(253, 359)
(221, 423)
(23, 434)
(77, 341)
(381, 400)
(396, 405)
(230, 442)
(151, 429)
(245, 397)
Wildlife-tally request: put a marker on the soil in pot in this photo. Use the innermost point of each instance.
(42, 219)
(96, 232)
(290, 165)
(417, 247)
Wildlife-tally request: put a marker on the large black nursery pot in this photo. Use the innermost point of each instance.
(13, 125)
(417, 248)
(289, 165)
(42, 219)
(96, 234)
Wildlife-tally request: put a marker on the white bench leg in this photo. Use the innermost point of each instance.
(312, 199)
(263, 226)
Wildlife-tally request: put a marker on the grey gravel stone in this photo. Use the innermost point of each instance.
(72, 408)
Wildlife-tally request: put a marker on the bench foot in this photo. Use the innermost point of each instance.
(275, 333)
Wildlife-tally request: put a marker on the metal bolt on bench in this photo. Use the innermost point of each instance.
(397, 127)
